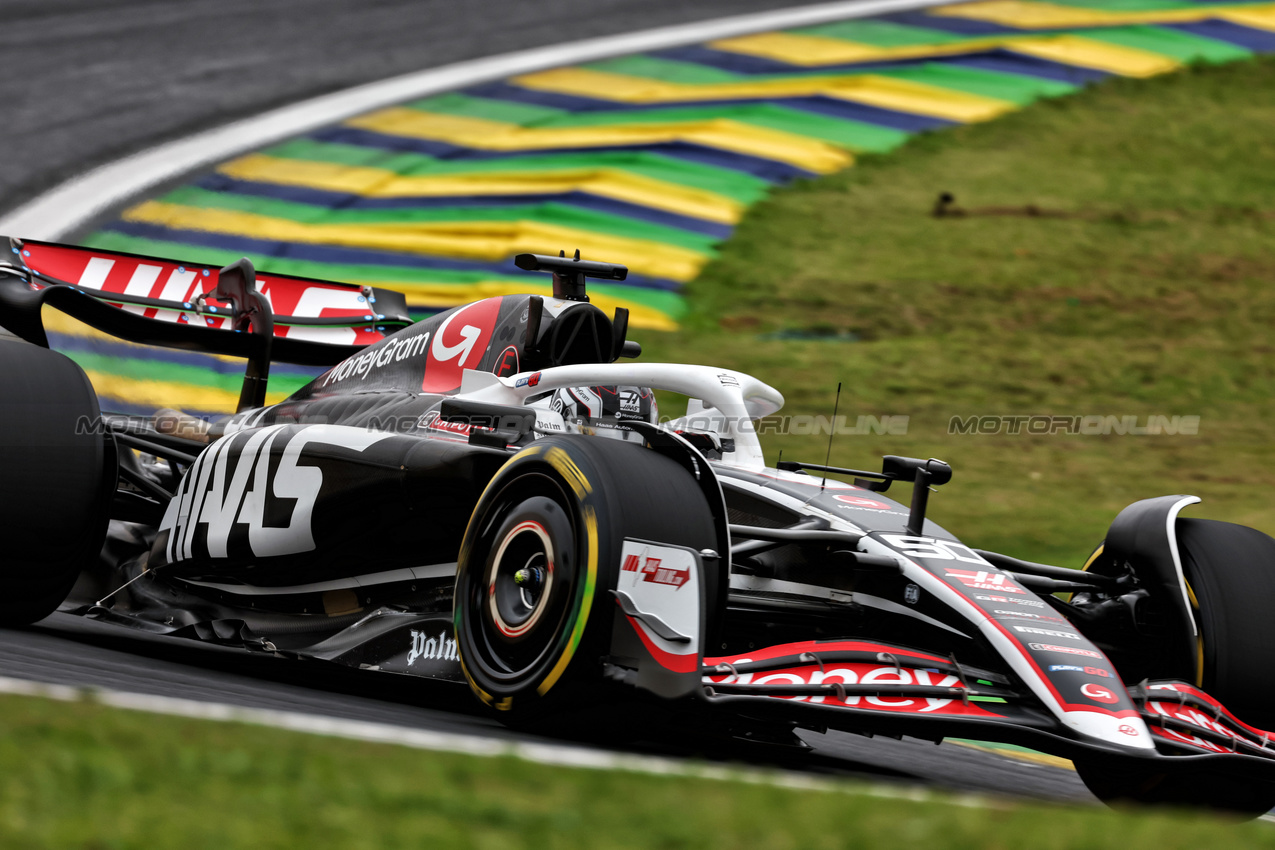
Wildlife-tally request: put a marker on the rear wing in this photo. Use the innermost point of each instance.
(165, 302)
(233, 310)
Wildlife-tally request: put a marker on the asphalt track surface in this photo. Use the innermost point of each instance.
(67, 650)
(91, 80)
(88, 81)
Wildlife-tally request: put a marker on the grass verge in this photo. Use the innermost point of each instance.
(80, 775)
(1115, 257)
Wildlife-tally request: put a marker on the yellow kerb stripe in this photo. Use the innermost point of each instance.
(380, 183)
(1260, 17)
(1075, 50)
(1023, 14)
(814, 51)
(811, 154)
(167, 394)
(903, 95)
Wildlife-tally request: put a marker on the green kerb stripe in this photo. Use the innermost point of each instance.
(481, 107)
(882, 34)
(668, 70)
(1015, 88)
(855, 135)
(1176, 44)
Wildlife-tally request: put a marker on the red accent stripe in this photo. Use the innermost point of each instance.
(783, 649)
(1194, 691)
(1023, 651)
(667, 660)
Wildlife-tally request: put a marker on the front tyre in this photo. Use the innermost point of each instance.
(529, 580)
(1230, 586)
(1230, 576)
(533, 607)
(1230, 572)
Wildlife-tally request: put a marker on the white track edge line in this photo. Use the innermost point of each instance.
(70, 205)
(475, 745)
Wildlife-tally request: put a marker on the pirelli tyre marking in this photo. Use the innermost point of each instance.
(213, 496)
(568, 469)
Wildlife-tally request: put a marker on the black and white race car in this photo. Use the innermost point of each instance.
(486, 497)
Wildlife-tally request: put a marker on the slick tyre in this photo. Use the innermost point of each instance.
(1230, 570)
(533, 608)
(54, 473)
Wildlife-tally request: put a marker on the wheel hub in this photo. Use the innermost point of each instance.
(520, 578)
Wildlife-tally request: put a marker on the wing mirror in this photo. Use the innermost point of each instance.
(897, 468)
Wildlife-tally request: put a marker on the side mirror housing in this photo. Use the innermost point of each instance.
(905, 469)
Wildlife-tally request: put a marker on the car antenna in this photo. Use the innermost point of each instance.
(832, 429)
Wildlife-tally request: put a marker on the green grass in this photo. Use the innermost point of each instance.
(1144, 289)
(78, 775)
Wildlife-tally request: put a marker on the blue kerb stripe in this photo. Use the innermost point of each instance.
(1259, 41)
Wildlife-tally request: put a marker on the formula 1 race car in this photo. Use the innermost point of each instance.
(487, 497)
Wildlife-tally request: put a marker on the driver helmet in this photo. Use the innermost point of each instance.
(618, 404)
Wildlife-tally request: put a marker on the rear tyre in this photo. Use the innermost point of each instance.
(53, 471)
(533, 608)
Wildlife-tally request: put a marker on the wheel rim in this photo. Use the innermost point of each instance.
(523, 597)
(520, 579)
